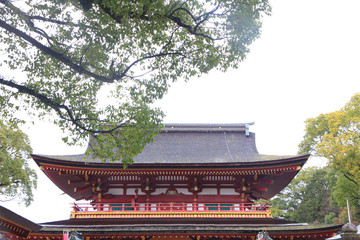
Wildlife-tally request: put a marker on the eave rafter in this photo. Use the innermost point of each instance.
(198, 172)
(193, 236)
(8, 226)
(262, 179)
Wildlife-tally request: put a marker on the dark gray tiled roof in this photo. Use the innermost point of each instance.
(196, 143)
(216, 226)
(10, 218)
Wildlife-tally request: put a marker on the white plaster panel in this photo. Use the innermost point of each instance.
(183, 191)
(116, 191)
(131, 191)
(208, 191)
(228, 191)
(159, 191)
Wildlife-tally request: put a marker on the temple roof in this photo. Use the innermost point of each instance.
(128, 228)
(16, 224)
(195, 226)
(187, 149)
(194, 143)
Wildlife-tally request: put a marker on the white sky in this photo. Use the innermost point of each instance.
(306, 62)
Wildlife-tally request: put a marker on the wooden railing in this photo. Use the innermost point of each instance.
(171, 209)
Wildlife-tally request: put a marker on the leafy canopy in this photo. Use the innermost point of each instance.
(16, 177)
(336, 136)
(317, 195)
(306, 198)
(74, 52)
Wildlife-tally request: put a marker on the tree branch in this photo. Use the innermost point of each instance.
(118, 18)
(351, 180)
(28, 21)
(177, 20)
(77, 68)
(149, 57)
(57, 107)
(189, 28)
(196, 29)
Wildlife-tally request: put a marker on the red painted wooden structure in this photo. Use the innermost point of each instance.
(196, 181)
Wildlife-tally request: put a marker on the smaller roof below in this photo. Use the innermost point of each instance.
(15, 224)
(166, 221)
(194, 226)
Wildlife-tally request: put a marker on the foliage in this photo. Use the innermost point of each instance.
(346, 190)
(72, 52)
(336, 136)
(317, 195)
(16, 177)
(306, 198)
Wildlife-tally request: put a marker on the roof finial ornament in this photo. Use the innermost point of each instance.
(247, 131)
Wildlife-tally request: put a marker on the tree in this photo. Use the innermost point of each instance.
(16, 177)
(336, 136)
(318, 195)
(343, 190)
(73, 51)
(307, 198)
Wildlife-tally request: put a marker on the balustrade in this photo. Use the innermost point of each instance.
(172, 207)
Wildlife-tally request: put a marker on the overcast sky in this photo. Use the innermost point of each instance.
(306, 62)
